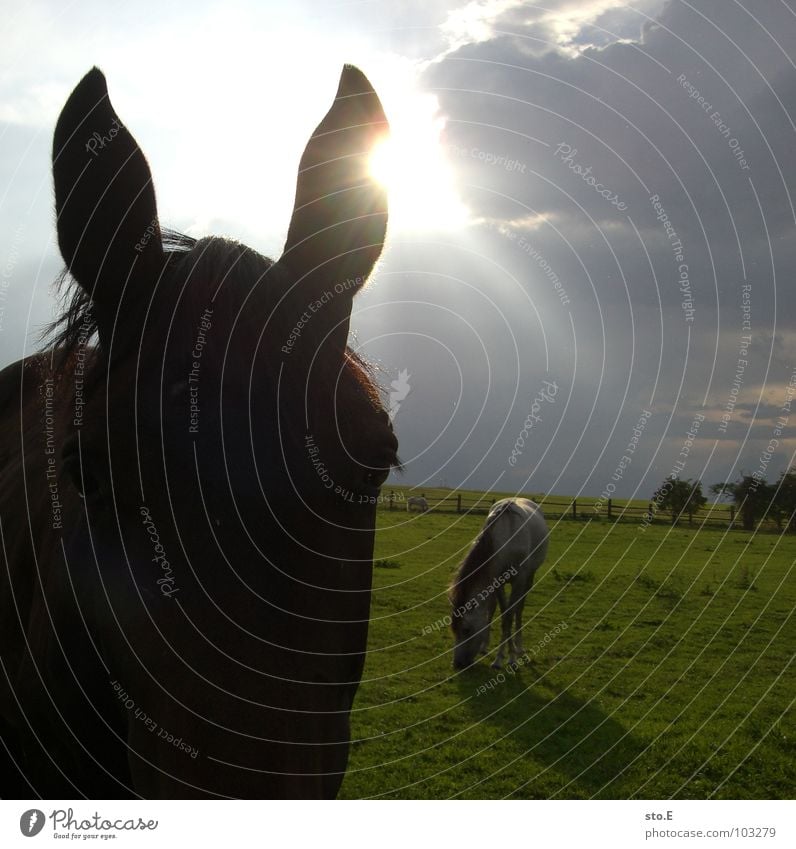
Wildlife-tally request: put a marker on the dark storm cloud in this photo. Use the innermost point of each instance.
(651, 180)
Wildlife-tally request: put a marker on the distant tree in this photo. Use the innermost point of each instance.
(679, 497)
(752, 498)
(783, 500)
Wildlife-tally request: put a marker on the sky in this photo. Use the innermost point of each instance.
(588, 279)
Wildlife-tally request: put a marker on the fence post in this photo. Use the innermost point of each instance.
(732, 514)
(391, 498)
(574, 508)
(609, 508)
(458, 502)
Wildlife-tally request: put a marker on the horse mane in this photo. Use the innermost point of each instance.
(365, 375)
(77, 323)
(479, 555)
(482, 551)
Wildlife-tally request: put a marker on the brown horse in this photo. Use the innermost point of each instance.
(188, 486)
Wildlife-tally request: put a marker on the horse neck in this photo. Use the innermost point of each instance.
(484, 561)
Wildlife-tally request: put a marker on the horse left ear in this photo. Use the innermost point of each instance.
(108, 227)
(339, 218)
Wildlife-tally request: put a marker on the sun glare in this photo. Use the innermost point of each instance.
(382, 162)
(411, 163)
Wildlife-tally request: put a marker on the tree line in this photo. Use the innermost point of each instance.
(752, 497)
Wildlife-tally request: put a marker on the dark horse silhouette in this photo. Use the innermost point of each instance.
(189, 484)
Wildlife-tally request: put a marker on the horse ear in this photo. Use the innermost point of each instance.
(339, 218)
(108, 228)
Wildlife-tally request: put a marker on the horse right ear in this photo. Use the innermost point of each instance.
(339, 218)
(108, 229)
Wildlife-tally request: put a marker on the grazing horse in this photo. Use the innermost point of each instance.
(512, 545)
(416, 502)
(184, 598)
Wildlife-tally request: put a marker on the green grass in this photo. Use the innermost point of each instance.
(673, 678)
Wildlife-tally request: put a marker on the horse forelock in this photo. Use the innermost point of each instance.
(211, 270)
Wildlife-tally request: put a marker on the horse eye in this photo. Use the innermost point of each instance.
(375, 477)
(177, 389)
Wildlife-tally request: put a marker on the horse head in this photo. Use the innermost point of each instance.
(472, 602)
(229, 453)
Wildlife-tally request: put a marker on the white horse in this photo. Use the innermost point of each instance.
(416, 502)
(512, 545)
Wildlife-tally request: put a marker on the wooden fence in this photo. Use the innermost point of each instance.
(716, 516)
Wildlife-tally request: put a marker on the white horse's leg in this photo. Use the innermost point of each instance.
(518, 618)
(518, 645)
(496, 598)
(504, 627)
(514, 604)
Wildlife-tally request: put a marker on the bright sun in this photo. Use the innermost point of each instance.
(411, 163)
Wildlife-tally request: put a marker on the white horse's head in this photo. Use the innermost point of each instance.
(471, 632)
(472, 605)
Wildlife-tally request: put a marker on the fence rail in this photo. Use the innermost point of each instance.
(572, 508)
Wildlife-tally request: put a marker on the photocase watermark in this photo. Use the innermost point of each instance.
(79, 372)
(166, 582)
(568, 154)
(315, 458)
(66, 825)
(99, 141)
(690, 833)
(688, 444)
(440, 624)
(717, 121)
(314, 306)
(683, 275)
(202, 330)
(399, 391)
(780, 424)
(526, 657)
(678, 467)
(660, 497)
(547, 394)
(151, 230)
(488, 158)
(32, 822)
(478, 598)
(746, 308)
(624, 462)
(524, 245)
(152, 726)
(50, 454)
(743, 354)
(684, 282)
(327, 481)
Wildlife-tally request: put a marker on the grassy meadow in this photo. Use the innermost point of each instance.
(660, 664)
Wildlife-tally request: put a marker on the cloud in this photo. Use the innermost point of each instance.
(568, 26)
(554, 116)
(558, 116)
